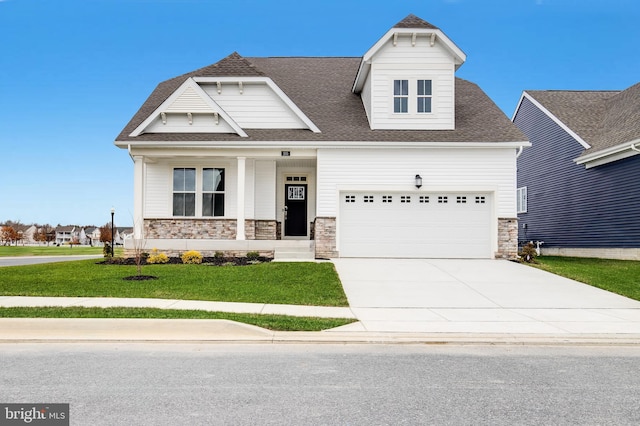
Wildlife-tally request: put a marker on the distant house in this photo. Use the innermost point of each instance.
(67, 234)
(384, 155)
(578, 184)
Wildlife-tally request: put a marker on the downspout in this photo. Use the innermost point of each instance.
(633, 147)
(520, 151)
(129, 150)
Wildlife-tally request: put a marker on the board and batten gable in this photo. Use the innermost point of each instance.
(568, 205)
(406, 61)
(442, 169)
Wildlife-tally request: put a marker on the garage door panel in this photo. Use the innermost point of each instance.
(409, 225)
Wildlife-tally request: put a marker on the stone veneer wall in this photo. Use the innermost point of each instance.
(209, 229)
(507, 238)
(325, 237)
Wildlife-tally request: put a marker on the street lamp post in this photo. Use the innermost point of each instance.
(113, 211)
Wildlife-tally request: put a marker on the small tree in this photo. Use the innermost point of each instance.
(105, 233)
(8, 235)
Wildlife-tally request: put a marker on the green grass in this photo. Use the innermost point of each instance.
(300, 283)
(65, 250)
(271, 322)
(618, 276)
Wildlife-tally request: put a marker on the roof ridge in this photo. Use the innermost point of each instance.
(413, 21)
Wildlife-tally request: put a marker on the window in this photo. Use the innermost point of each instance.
(400, 96)
(184, 192)
(443, 199)
(424, 96)
(480, 200)
(461, 200)
(368, 198)
(387, 198)
(405, 199)
(424, 199)
(349, 198)
(212, 192)
(521, 204)
(209, 195)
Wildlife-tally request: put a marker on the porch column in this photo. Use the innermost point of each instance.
(240, 234)
(138, 196)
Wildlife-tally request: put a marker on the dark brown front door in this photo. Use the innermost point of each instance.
(295, 204)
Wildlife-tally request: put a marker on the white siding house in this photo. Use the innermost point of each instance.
(384, 155)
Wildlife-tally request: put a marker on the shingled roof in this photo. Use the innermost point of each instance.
(603, 119)
(321, 88)
(412, 21)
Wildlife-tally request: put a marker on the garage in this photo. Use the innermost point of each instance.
(409, 225)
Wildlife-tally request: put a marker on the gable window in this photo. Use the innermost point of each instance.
(424, 96)
(212, 192)
(184, 192)
(521, 204)
(400, 96)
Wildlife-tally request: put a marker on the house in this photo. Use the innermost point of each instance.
(384, 155)
(67, 234)
(578, 183)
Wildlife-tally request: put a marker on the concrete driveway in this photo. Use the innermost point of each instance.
(478, 296)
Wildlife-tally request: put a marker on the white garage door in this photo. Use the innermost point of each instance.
(405, 225)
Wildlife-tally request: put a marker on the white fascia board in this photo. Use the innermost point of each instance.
(458, 54)
(609, 155)
(322, 145)
(283, 96)
(189, 83)
(552, 117)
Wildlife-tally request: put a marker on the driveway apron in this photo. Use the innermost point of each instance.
(477, 296)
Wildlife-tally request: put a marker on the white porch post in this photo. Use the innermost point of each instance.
(138, 196)
(240, 234)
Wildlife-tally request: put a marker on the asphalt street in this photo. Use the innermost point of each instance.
(247, 384)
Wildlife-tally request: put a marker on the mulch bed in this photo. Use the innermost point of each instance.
(209, 261)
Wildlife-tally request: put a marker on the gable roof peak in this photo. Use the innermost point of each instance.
(412, 21)
(233, 65)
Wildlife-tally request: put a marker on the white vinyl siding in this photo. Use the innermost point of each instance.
(441, 169)
(265, 190)
(257, 107)
(413, 63)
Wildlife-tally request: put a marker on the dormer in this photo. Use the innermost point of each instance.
(406, 80)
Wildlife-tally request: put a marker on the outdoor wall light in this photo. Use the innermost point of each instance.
(418, 181)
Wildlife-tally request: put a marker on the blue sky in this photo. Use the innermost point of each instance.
(73, 72)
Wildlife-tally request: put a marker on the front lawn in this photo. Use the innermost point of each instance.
(271, 322)
(64, 250)
(300, 283)
(618, 276)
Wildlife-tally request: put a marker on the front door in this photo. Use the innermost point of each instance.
(295, 208)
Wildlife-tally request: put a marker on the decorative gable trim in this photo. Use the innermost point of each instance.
(429, 35)
(189, 98)
(552, 117)
(273, 86)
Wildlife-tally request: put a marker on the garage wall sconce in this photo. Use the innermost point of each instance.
(418, 181)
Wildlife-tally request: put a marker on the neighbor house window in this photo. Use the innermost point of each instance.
(522, 200)
(400, 96)
(212, 192)
(184, 192)
(424, 96)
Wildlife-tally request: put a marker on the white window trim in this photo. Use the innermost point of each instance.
(412, 110)
(199, 192)
(521, 200)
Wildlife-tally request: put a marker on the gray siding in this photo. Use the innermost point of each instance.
(568, 205)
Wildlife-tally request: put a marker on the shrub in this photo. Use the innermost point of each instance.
(218, 255)
(528, 253)
(157, 257)
(192, 257)
(106, 251)
(253, 255)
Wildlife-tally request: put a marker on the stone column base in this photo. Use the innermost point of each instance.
(507, 238)
(324, 232)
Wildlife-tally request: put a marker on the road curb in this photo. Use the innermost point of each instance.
(96, 330)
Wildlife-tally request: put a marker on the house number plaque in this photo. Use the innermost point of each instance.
(296, 193)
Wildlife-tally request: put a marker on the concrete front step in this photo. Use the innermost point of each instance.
(300, 253)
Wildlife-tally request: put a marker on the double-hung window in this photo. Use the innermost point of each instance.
(424, 96)
(212, 192)
(400, 96)
(184, 192)
(521, 204)
(198, 190)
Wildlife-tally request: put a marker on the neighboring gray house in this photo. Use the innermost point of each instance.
(384, 155)
(578, 185)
